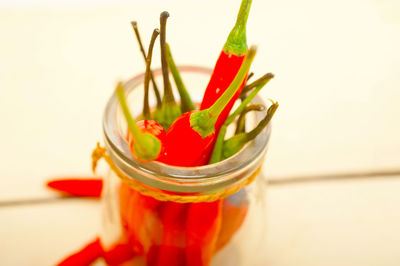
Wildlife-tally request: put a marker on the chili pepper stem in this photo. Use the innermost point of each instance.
(255, 83)
(169, 108)
(236, 43)
(235, 143)
(186, 101)
(146, 145)
(146, 106)
(216, 155)
(219, 144)
(249, 76)
(139, 40)
(240, 124)
(266, 78)
(203, 121)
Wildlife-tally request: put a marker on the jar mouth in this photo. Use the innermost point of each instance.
(177, 178)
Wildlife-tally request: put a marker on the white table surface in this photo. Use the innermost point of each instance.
(337, 81)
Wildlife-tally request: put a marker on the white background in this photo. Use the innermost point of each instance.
(337, 67)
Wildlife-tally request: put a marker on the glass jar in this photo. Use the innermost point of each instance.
(157, 214)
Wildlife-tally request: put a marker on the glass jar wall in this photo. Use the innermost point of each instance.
(156, 214)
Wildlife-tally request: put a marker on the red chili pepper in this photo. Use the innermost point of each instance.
(147, 141)
(228, 65)
(190, 139)
(118, 253)
(115, 255)
(86, 256)
(140, 220)
(148, 126)
(138, 212)
(172, 248)
(202, 231)
(79, 187)
(184, 146)
(189, 142)
(234, 211)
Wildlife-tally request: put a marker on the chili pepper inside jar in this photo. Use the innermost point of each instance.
(157, 214)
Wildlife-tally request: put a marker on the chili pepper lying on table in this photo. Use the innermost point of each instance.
(85, 256)
(115, 255)
(79, 187)
(228, 64)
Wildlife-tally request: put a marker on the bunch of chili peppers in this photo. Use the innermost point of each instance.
(169, 233)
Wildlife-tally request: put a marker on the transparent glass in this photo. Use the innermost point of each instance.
(140, 230)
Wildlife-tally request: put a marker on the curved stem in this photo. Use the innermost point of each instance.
(249, 76)
(216, 155)
(249, 87)
(146, 106)
(168, 95)
(248, 99)
(186, 101)
(236, 143)
(145, 146)
(219, 144)
(139, 40)
(133, 128)
(240, 123)
(263, 123)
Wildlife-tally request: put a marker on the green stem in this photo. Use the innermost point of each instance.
(248, 99)
(236, 42)
(216, 155)
(139, 40)
(203, 121)
(263, 123)
(170, 110)
(186, 101)
(133, 128)
(168, 94)
(249, 76)
(218, 147)
(146, 146)
(240, 123)
(237, 142)
(146, 106)
(249, 87)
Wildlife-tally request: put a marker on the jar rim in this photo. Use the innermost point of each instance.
(177, 178)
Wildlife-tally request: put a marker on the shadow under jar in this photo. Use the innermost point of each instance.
(158, 214)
